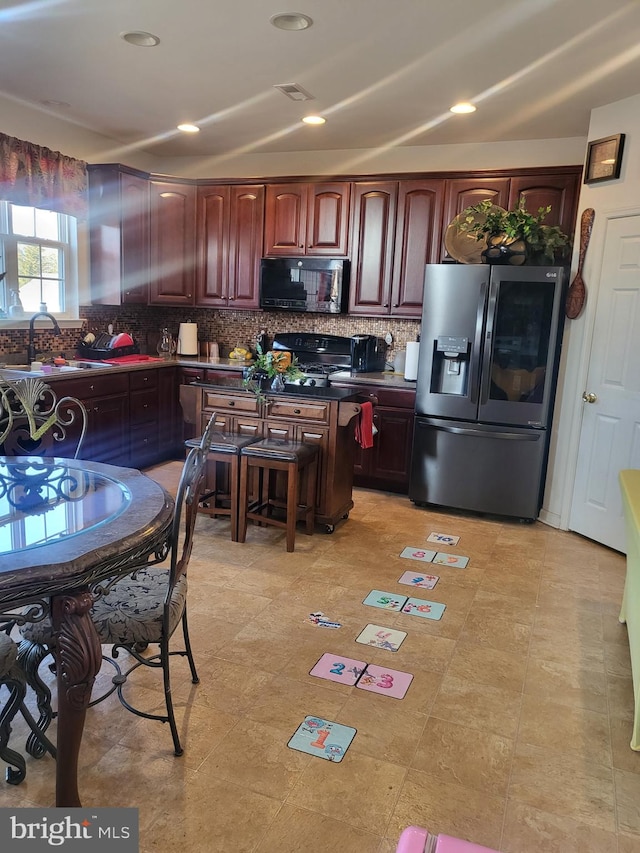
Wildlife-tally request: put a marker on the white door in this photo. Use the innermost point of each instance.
(610, 430)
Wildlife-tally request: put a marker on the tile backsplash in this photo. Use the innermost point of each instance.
(228, 328)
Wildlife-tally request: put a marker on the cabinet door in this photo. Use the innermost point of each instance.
(134, 197)
(328, 219)
(391, 459)
(417, 242)
(374, 210)
(285, 219)
(173, 261)
(107, 438)
(118, 236)
(559, 191)
(246, 222)
(213, 248)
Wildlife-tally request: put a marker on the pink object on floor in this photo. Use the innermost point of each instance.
(414, 839)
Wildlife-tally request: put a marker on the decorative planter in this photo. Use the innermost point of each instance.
(504, 250)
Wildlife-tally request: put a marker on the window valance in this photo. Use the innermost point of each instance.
(38, 177)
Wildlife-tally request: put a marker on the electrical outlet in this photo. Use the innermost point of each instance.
(388, 339)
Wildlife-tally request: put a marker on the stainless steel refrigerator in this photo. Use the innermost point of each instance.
(488, 364)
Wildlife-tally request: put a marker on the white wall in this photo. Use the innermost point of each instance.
(604, 198)
(425, 158)
(37, 125)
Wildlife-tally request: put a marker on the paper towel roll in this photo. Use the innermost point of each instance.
(188, 339)
(411, 361)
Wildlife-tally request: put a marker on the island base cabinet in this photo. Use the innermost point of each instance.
(329, 424)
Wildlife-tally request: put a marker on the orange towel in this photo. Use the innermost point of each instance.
(364, 427)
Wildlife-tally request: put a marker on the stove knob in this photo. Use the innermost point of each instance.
(311, 381)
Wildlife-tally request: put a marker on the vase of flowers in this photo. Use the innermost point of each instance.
(270, 370)
(515, 236)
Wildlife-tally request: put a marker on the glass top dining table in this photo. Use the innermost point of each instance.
(68, 529)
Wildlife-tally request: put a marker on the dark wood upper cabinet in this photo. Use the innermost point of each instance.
(213, 245)
(118, 236)
(246, 227)
(559, 191)
(230, 229)
(374, 218)
(172, 243)
(307, 219)
(417, 242)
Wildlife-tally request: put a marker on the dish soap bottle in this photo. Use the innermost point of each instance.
(15, 306)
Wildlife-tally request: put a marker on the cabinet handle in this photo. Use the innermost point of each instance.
(386, 305)
(232, 402)
(145, 378)
(91, 388)
(296, 411)
(188, 296)
(145, 406)
(395, 304)
(96, 409)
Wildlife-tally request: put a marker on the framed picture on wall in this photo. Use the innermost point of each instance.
(604, 157)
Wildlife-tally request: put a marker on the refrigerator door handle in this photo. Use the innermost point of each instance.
(509, 436)
(476, 354)
(487, 351)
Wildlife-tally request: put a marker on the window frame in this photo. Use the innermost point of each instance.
(68, 245)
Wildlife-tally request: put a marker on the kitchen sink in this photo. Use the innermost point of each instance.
(20, 371)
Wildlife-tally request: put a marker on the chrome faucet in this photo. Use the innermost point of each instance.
(31, 349)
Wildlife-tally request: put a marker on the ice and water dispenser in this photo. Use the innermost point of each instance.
(450, 367)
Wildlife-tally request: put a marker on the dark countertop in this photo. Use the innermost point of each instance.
(296, 391)
(387, 379)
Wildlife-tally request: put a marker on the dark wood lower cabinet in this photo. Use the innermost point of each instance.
(132, 415)
(386, 465)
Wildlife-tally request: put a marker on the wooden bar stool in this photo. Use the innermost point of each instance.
(299, 462)
(222, 487)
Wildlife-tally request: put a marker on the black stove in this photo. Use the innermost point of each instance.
(318, 356)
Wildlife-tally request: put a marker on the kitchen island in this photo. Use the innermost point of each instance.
(322, 416)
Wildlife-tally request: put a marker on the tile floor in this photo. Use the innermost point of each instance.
(514, 733)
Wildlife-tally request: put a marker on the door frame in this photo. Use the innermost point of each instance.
(574, 370)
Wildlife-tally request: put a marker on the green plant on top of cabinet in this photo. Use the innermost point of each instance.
(557, 191)
(118, 235)
(172, 243)
(307, 219)
(230, 221)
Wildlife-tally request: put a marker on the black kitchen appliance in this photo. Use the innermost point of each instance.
(317, 285)
(318, 356)
(368, 354)
(487, 371)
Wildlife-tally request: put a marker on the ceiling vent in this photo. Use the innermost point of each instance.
(293, 91)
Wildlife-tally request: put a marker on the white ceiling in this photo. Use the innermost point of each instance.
(383, 72)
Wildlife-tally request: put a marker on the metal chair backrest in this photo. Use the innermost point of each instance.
(34, 422)
(187, 499)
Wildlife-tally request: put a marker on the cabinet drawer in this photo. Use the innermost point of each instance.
(94, 386)
(398, 398)
(141, 379)
(217, 402)
(143, 406)
(303, 410)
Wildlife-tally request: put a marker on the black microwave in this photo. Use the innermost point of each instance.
(318, 285)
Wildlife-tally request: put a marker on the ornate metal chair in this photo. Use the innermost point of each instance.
(34, 422)
(147, 606)
(13, 678)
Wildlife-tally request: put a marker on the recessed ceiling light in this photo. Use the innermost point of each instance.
(314, 120)
(140, 39)
(189, 128)
(463, 107)
(291, 21)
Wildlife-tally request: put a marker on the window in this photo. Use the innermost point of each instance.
(38, 253)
